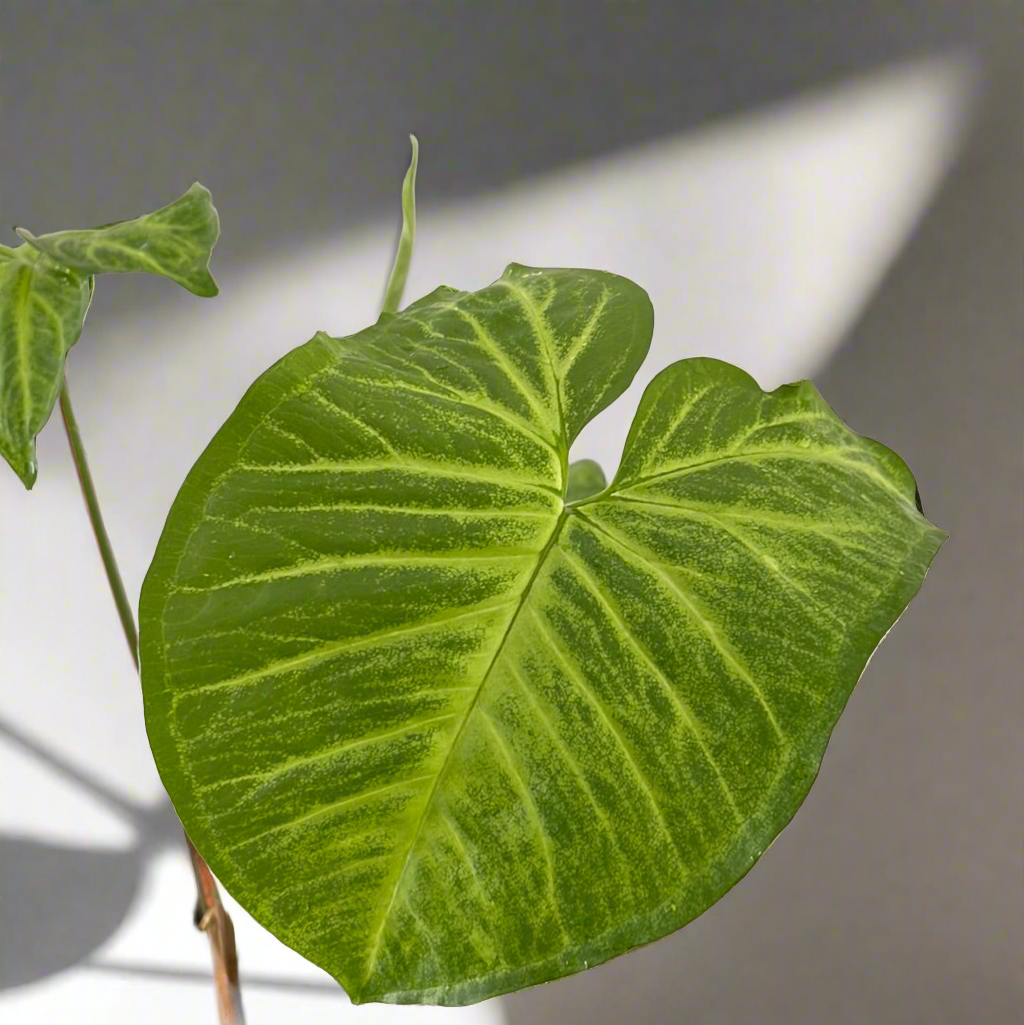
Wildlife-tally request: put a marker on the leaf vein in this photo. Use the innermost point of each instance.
(339, 563)
(576, 677)
(534, 812)
(327, 809)
(682, 706)
(340, 647)
(725, 650)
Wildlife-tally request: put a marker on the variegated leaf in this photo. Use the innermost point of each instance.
(175, 242)
(449, 729)
(42, 310)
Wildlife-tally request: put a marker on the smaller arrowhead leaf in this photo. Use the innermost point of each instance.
(42, 310)
(175, 242)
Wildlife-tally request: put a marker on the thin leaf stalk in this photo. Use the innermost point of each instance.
(210, 915)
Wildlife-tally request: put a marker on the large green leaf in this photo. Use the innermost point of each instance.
(42, 310)
(444, 733)
(175, 242)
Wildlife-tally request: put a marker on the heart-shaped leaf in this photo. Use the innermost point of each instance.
(175, 242)
(42, 310)
(448, 735)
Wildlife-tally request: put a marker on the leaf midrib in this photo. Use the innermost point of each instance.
(541, 560)
(24, 334)
(542, 330)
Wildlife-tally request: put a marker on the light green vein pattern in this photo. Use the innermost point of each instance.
(448, 736)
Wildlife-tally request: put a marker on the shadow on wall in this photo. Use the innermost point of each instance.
(289, 118)
(61, 902)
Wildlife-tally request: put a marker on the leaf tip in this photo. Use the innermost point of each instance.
(203, 194)
(203, 285)
(518, 271)
(24, 465)
(409, 184)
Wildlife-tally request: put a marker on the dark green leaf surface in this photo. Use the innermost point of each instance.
(444, 733)
(175, 241)
(42, 310)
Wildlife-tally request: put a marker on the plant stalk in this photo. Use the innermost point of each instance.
(210, 914)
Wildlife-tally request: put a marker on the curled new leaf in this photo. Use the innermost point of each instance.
(175, 242)
(403, 256)
(42, 310)
(585, 478)
(446, 732)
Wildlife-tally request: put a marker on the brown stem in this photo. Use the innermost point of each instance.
(210, 915)
(212, 919)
